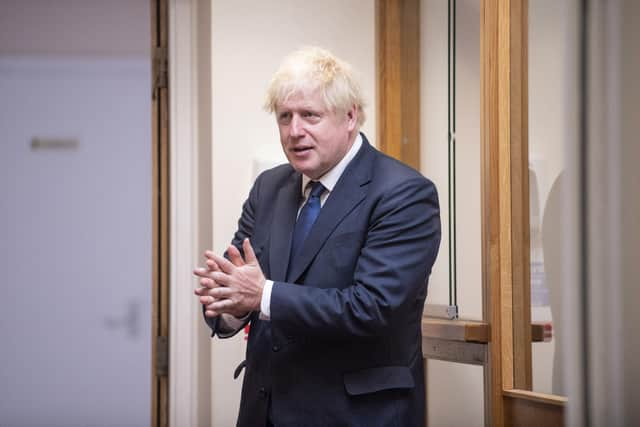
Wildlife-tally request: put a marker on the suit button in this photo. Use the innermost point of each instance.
(275, 347)
(262, 392)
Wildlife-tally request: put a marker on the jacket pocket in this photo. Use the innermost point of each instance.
(378, 379)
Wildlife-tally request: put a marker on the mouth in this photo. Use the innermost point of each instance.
(300, 150)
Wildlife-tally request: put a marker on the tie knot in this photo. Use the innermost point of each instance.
(316, 189)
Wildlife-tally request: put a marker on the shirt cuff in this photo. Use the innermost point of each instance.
(265, 303)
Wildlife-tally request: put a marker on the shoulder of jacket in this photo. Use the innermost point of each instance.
(277, 173)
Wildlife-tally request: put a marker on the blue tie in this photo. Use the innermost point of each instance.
(308, 215)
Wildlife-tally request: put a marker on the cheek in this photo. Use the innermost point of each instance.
(283, 132)
(284, 136)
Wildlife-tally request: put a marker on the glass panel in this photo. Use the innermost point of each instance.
(450, 120)
(548, 118)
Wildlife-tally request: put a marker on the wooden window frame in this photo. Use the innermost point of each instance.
(502, 342)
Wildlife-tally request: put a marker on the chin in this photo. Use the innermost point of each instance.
(304, 169)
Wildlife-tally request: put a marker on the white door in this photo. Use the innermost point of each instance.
(75, 233)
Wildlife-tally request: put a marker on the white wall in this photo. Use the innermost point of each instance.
(249, 39)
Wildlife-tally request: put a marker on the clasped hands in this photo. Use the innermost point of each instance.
(231, 285)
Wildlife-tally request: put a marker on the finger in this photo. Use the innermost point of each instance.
(212, 265)
(221, 293)
(208, 255)
(234, 256)
(224, 264)
(209, 306)
(206, 300)
(208, 283)
(249, 254)
(221, 279)
(203, 291)
(211, 313)
(202, 272)
(221, 305)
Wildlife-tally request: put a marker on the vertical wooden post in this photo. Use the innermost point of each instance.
(398, 79)
(519, 143)
(490, 206)
(160, 221)
(505, 201)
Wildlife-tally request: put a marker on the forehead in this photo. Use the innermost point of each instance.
(303, 99)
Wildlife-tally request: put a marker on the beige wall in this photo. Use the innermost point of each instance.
(249, 39)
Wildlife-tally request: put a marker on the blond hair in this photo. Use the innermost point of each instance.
(313, 68)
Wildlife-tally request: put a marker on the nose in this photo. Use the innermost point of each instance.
(296, 126)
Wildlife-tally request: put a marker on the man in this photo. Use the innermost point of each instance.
(329, 264)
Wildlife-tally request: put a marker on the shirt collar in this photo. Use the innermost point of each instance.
(330, 179)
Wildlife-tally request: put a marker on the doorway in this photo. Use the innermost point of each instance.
(78, 319)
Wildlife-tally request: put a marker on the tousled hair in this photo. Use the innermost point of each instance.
(313, 68)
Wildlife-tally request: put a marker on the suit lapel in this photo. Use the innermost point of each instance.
(284, 217)
(349, 191)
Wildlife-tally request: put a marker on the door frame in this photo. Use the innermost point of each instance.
(159, 93)
(188, 399)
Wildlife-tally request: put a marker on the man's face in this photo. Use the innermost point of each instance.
(313, 138)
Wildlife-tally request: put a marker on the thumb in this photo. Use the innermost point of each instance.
(249, 254)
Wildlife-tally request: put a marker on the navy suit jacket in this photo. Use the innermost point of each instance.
(343, 346)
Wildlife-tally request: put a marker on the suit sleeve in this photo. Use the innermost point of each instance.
(391, 272)
(221, 326)
(225, 326)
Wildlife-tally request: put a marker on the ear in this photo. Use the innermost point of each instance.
(352, 117)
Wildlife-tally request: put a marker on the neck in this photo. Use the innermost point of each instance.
(352, 138)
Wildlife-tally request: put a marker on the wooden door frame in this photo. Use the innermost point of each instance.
(505, 218)
(160, 216)
(189, 227)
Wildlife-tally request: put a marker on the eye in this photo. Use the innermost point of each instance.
(310, 115)
(284, 117)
